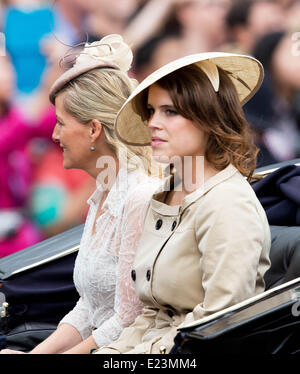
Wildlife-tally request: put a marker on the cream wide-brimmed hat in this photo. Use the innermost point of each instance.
(245, 72)
(109, 52)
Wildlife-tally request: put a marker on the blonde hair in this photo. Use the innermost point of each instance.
(99, 94)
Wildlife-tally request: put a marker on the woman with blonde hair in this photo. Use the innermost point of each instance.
(206, 238)
(87, 98)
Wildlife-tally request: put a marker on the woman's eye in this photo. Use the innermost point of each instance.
(59, 123)
(171, 112)
(150, 112)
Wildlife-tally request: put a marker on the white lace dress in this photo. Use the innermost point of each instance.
(102, 273)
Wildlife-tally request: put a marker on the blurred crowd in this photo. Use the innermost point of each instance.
(38, 198)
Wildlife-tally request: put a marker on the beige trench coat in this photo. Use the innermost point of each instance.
(196, 259)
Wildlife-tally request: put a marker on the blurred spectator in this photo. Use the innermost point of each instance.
(69, 20)
(142, 26)
(248, 20)
(108, 17)
(32, 28)
(16, 231)
(32, 202)
(275, 111)
(25, 23)
(292, 15)
(199, 27)
(202, 24)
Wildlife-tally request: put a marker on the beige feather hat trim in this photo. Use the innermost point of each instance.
(245, 72)
(109, 52)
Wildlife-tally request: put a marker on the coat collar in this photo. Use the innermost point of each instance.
(157, 202)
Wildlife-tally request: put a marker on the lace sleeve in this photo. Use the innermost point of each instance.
(127, 305)
(78, 318)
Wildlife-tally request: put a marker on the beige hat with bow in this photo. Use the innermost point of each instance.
(245, 72)
(109, 52)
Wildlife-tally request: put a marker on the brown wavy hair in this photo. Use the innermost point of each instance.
(219, 114)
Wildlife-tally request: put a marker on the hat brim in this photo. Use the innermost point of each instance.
(75, 72)
(245, 72)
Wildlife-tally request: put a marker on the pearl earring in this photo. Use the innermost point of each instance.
(92, 148)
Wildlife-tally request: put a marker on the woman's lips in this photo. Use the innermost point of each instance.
(157, 141)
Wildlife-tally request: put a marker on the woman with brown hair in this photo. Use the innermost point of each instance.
(206, 240)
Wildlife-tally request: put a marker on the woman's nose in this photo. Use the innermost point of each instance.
(154, 122)
(55, 134)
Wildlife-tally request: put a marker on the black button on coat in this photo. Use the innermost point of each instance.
(158, 224)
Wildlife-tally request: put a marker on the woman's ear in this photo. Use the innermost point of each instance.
(95, 129)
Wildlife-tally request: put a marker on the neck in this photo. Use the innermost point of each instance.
(105, 170)
(193, 172)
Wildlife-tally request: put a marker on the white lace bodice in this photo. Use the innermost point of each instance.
(102, 273)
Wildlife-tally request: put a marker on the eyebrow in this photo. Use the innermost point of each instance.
(164, 106)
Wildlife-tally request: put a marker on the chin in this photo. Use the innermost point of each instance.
(162, 159)
(165, 158)
(67, 165)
